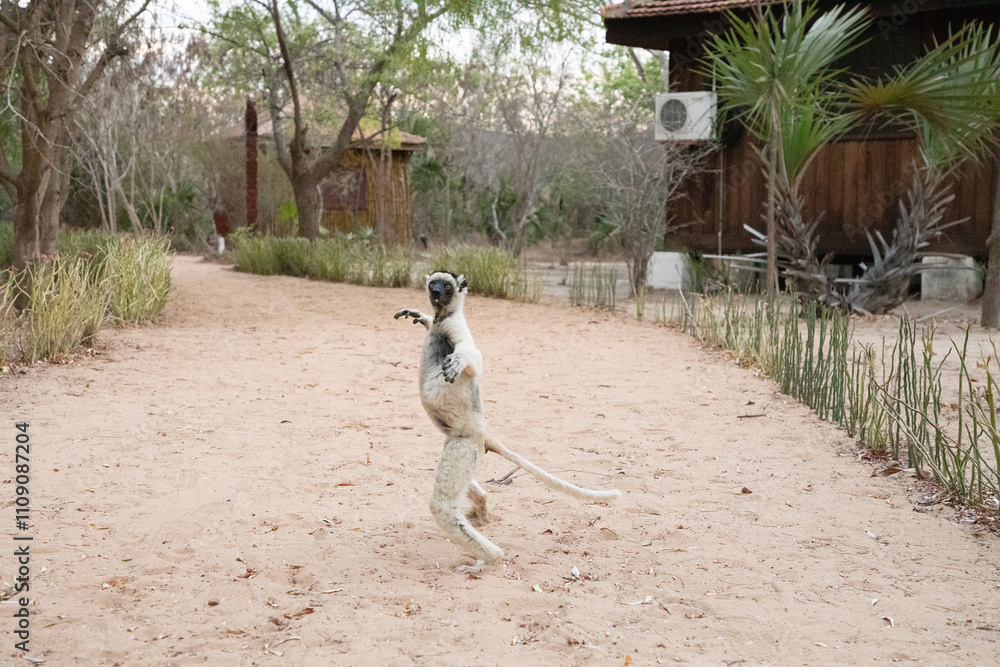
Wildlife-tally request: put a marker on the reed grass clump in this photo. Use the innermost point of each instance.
(490, 271)
(67, 304)
(65, 299)
(9, 285)
(888, 398)
(138, 276)
(329, 261)
(594, 286)
(81, 242)
(256, 254)
(354, 260)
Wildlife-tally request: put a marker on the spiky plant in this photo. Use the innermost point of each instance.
(950, 99)
(776, 71)
(885, 282)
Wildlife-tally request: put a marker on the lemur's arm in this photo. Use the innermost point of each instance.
(466, 357)
(418, 317)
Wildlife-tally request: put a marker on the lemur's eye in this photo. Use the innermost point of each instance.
(447, 288)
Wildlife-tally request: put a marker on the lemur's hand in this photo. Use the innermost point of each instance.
(407, 312)
(453, 366)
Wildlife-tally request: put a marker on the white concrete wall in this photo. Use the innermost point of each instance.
(956, 280)
(667, 270)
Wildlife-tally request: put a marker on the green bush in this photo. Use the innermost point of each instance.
(67, 304)
(68, 297)
(345, 259)
(138, 272)
(329, 261)
(69, 243)
(293, 256)
(8, 316)
(253, 254)
(81, 242)
(400, 268)
(490, 271)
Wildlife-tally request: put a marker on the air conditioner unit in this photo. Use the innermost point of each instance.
(685, 116)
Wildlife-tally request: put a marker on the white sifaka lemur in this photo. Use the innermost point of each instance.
(450, 366)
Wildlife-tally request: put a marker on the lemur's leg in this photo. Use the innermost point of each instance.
(418, 317)
(454, 476)
(466, 357)
(477, 514)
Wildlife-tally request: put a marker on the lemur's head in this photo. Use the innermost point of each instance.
(446, 291)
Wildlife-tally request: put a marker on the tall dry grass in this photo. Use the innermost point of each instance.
(138, 274)
(490, 271)
(337, 260)
(888, 398)
(67, 304)
(67, 298)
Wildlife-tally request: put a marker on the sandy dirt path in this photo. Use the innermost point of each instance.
(255, 470)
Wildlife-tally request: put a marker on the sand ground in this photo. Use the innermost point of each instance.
(246, 484)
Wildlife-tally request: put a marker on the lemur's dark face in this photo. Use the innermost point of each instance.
(442, 288)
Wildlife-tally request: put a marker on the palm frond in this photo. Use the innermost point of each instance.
(950, 97)
(781, 59)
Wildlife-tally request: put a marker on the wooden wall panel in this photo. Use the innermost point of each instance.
(855, 185)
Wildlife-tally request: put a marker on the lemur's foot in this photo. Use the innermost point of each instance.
(453, 366)
(480, 565)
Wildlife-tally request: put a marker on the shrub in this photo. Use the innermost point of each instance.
(329, 261)
(8, 316)
(81, 242)
(252, 254)
(67, 304)
(490, 271)
(292, 255)
(350, 259)
(138, 272)
(400, 268)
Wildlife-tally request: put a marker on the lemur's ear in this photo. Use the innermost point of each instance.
(427, 278)
(462, 283)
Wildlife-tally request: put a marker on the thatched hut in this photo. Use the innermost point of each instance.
(371, 189)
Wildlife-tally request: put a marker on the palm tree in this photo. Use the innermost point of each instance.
(776, 73)
(781, 71)
(949, 99)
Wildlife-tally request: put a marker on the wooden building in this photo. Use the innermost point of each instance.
(372, 189)
(855, 183)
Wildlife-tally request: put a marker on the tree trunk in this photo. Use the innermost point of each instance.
(447, 207)
(772, 248)
(55, 198)
(250, 126)
(495, 219)
(991, 292)
(29, 186)
(309, 206)
(638, 268)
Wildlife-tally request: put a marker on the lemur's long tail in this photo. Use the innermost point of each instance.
(548, 479)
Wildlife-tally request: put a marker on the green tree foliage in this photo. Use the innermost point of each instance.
(325, 66)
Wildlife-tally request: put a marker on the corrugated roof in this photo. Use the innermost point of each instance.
(642, 8)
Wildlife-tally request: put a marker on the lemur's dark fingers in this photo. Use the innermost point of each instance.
(416, 320)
